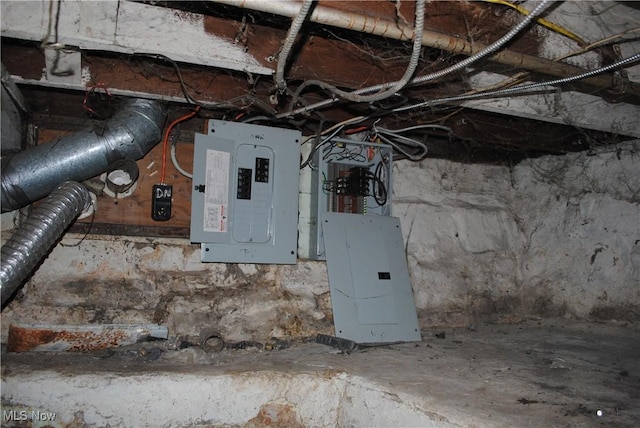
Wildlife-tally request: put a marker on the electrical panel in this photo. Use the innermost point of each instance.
(351, 177)
(353, 230)
(244, 205)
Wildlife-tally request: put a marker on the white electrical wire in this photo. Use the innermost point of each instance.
(413, 128)
(296, 25)
(396, 140)
(388, 89)
(438, 74)
(398, 147)
(174, 160)
(516, 90)
(314, 149)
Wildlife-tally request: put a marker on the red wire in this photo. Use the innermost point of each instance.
(356, 130)
(90, 89)
(165, 140)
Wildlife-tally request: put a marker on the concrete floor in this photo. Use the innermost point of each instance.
(536, 373)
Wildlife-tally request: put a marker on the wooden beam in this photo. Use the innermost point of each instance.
(125, 27)
(386, 26)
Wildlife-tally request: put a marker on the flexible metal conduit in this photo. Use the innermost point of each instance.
(32, 174)
(296, 25)
(469, 60)
(390, 29)
(35, 237)
(396, 86)
(387, 89)
(523, 89)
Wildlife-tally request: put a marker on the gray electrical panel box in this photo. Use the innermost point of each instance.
(351, 177)
(244, 205)
(352, 228)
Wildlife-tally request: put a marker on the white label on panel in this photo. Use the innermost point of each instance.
(216, 191)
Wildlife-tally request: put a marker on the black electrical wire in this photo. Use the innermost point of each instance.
(316, 145)
(77, 244)
(379, 187)
(319, 143)
(175, 66)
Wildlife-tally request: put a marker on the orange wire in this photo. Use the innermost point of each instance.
(356, 130)
(165, 140)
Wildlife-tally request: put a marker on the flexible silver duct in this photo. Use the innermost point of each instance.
(35, 237)
(32, 174)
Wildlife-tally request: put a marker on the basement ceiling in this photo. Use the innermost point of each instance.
(73, 60)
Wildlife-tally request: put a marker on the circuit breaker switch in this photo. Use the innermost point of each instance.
(244, 183)
(262, 170)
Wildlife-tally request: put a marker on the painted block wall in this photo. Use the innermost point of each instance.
(553, 236)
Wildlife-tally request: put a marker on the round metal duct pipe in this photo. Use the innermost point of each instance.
(35, 237)
(32, 174)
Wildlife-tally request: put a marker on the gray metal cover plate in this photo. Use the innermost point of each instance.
(371, 292)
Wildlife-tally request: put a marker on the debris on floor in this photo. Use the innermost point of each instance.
(86, 338)
(537, 373)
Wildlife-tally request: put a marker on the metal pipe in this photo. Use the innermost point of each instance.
(32, 174)
(391, 29)
(35, 237)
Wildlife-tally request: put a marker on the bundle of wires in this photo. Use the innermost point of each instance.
(165, 141)
(378, 183)
(360, 182)
(408, 147)
(319, 141)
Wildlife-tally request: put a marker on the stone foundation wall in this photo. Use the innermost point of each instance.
(554, 236)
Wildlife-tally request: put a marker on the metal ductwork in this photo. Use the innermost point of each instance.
(35, 237)
(32, 174)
